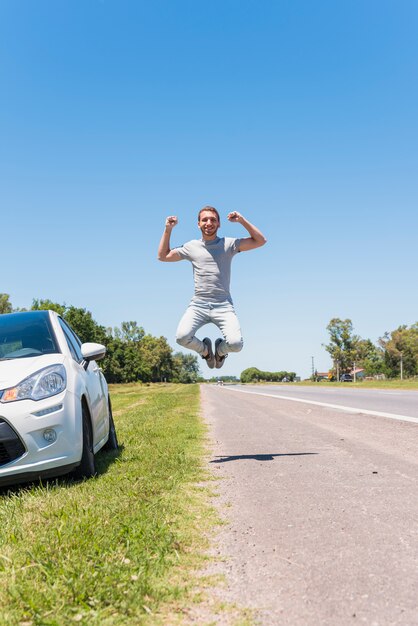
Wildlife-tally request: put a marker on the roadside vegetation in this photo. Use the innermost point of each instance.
(119, 548)
(134, 355)
(253, 374)
(131, 353)
(394, 355)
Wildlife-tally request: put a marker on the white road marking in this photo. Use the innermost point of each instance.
(347, 409)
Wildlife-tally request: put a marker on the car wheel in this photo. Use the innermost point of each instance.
(112, 442)
(87, 467)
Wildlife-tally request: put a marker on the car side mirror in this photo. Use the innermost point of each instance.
(93, 351)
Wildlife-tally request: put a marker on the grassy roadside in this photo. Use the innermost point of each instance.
(115, 549)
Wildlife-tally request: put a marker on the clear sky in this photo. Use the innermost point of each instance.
(301, 115)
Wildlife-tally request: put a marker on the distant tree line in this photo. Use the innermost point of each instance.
(394, 350)
(253, 375)
(224, 379)
(131, 354)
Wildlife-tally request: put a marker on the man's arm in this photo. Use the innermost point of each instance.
(256, 238)
(164, 251)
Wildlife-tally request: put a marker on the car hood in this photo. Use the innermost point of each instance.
(14, 371)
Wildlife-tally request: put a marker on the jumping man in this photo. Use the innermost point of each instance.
(211, 258)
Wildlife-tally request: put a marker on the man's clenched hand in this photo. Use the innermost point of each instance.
(171, 221)
(234, 216)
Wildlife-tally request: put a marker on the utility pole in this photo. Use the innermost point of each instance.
(313, 368)
(401, 366)
(338, 371)
(354, 372)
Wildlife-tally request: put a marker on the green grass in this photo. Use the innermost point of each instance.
(119, 548)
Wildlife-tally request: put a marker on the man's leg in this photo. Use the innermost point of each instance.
(226, 319)
(194, 318)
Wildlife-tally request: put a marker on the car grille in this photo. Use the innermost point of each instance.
(11, 447)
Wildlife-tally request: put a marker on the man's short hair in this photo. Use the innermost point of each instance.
(209, 208)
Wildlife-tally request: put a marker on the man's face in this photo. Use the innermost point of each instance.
(208, 224)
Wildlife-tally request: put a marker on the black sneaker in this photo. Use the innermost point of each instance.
(210, 357)
(219, 360)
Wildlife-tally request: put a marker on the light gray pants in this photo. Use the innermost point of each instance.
(200, 313)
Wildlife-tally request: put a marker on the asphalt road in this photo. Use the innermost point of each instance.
(322, 511)
(389, 402)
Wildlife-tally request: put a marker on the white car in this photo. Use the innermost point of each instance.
(55, 411)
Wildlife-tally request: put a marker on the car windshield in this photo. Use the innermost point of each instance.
(25, 335)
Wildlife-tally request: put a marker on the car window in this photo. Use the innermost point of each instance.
(72, 342)
(73, 334)
(25, 335)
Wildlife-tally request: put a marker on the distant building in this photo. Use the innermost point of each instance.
(322, 376)
(358, 373)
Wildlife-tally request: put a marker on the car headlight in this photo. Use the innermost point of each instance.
(43, 384)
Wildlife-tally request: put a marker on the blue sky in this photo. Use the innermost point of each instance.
(301, 115)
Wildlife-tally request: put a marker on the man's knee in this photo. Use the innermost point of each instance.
(235, 344)
(183, 339)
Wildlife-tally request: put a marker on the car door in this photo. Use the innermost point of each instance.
(92, 378)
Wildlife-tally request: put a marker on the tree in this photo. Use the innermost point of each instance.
(123, 362)
(46, 305)
(157, 355)
(401, 343)
(344, 346)
(5, 304)
(224, 379)
(185, 368)
(84, 325)
(370, 357)
(80, 320)
(253, 374)
(130, 331)
(131, 355)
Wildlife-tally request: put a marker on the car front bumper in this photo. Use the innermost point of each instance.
(39, 438)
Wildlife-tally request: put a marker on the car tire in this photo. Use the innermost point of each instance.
(87, 467)
(112, 442)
